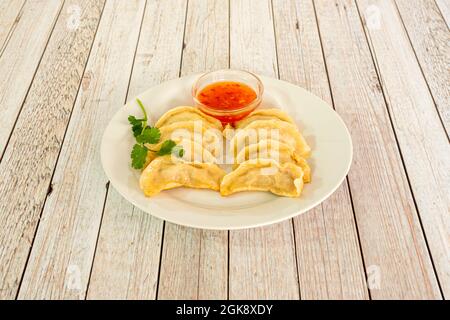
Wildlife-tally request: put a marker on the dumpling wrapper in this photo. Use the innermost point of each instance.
(264, 175)
(164, 173)
(193, 152)
(286, 133)
(185, 113)
(273, 150)
(264, 114)
(210, 138)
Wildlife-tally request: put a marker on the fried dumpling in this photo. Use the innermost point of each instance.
(273, 150)
(210, 138)
(264, 175)
(166, 173)
(271, 129)
(264, 114)
(193, 152)
(183, 113)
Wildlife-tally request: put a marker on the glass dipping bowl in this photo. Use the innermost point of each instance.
(228, 115)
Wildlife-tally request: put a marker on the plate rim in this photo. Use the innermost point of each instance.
(295, 213)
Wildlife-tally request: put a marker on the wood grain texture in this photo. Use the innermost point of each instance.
(444, 7)
(194, 263)
(425, 148)
(20, 59)
(27, 166)
(430, 37)
(63, 250)
(328, 254)
(394, 249)
(127, 258)
(10, 14)
(262, 260)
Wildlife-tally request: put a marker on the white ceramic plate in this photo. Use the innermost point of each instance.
(322, 128)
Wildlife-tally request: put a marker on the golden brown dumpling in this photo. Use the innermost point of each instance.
(210, 138)
(183, 113)
(274, 150)
(193, 152)
(264, 175)
(271, 129)
(264, 114)
(166, 173)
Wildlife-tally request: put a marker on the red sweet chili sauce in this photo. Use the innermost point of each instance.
(227, 96)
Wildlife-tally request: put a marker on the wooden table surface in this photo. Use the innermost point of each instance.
(67, 66)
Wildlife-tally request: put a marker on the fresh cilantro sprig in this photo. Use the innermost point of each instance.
(170, 147)
(146, 134)
(138, 156)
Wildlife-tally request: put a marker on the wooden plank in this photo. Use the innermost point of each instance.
(194, 263)
(262, 260)
(10, 14)
(31, 155)
(425, 148)
(63, 250)
(430, 36)
(328, 254)
(21, 58)
(394, 249)
(444, 7)
(127, 258)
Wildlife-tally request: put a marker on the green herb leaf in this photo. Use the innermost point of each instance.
(136, 125)
(178, 151)
(138, 156)
(166, 148)
(134, 121)
(149, 135)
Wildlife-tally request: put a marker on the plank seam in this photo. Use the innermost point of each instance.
(420, 66)
(441, 13)
(327, 245)
(290, 220)
(96, 241)
(108, 184)
(228, 266)
(199, 262)
(382, 87)
(228, 232)
(160, 260)
(229, 34)
(59, 153)
(31, 82)
(11, 30)
(346, 178)
(164, 222)
(184, 38)
(359, 240)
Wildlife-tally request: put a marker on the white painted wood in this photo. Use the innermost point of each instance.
(127, 258)
(328, 254)
(10, 14)
(63, 250)
(394, 249)
(194, 264)
(262, 260)
(422, 139)
(32, 152)
(444, 7)
(20, 59)
(430, 37)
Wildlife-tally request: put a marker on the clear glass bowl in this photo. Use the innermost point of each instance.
(228, 115)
